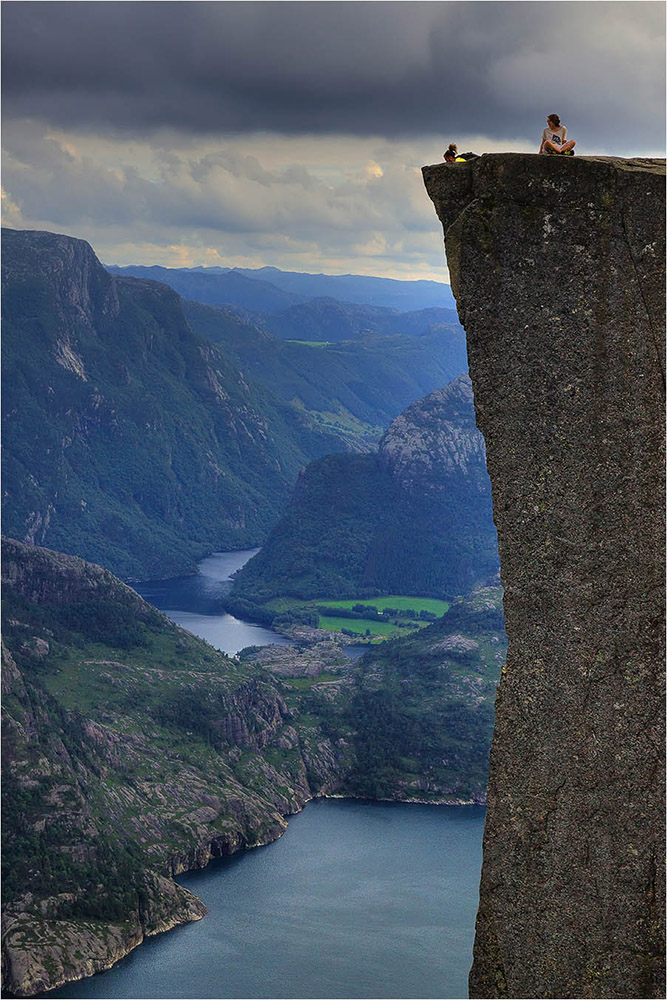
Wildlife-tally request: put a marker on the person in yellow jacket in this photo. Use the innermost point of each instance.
(554, 138)
(452, 155)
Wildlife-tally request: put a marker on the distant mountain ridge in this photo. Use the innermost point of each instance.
(228, 288)
(300, 316)
(392, 293)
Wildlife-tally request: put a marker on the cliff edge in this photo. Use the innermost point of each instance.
(557, 266)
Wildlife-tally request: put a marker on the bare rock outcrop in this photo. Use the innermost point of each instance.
(558, 269)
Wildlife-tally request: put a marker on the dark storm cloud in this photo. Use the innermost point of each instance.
(392, 69)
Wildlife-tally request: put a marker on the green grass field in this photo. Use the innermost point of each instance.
(378, 630)
(311, 343)
(358, 625)
(432, 604)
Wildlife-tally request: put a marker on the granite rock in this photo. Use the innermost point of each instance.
(558, 270)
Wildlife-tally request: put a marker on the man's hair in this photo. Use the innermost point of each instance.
(555, 119)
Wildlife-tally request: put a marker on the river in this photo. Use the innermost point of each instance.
(194, 602)
(356, 900)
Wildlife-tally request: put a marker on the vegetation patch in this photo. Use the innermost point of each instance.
(433, 605)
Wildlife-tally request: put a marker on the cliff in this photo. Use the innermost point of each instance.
(557, 266)
(128, 439)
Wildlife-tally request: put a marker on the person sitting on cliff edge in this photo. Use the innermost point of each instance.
(554, 138)
(452, 155)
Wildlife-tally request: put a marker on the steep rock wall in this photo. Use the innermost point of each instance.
(557, 266)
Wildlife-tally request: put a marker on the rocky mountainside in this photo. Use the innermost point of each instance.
(558, 269)
(415, 518)
(127, 438)
(133, 751)
(353, 389)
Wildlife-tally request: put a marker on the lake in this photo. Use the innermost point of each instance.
(194, 603)
(356, 900)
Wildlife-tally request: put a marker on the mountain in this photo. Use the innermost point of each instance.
(294, 317)
(128, 439)
(133, 751)
(275, 289)
(559, 270)
(326, 319)
(354, 388)
(415, 518)
(366, 290)
(228, 288)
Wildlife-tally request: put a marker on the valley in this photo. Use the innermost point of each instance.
(165, 752)
(342, 635)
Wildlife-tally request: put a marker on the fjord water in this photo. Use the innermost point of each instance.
(356, 900)
(194, 602)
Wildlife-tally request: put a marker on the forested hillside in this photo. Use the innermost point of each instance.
(127, 438)
(414, 518)
(353, 388)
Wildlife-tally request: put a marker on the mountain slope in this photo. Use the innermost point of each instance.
(366, 382)
(133, 751)
(329, 320)
(127, 438)
(415, 518)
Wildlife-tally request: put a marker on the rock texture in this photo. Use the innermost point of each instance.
(558, 270)
(436, 438)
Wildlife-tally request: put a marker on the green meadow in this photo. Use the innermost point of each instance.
(360, 625)
(432, 604)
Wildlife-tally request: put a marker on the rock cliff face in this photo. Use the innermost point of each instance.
(558, 270)
(436, 438)
(128, 439)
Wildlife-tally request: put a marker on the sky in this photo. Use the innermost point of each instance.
(292, 134)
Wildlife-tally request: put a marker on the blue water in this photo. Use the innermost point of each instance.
(356, 900)
(194, 602)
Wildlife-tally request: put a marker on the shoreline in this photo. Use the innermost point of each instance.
(126, 948)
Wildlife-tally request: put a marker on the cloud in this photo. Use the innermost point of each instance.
(347, 204)
(293, 133)
(389, 69)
